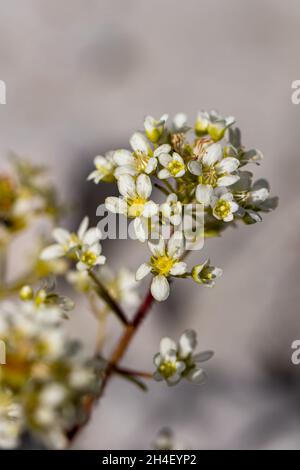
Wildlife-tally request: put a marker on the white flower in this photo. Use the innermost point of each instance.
(213, 171)
(174, 166)
(68, 242)
(223, 205)
(172, 209)
(164, 262)
(179, 122)
(83, 246)
(206, 274)
(169, 367)
(105, 167)
(90, 256)
(121, 285)
(177, 361)
(141, 160)
(134, 202)
(213, 124)
(154, 128)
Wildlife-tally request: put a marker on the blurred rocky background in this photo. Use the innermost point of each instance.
(80, 78)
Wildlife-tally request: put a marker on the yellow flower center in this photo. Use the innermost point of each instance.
(162, 265)
(141, 160)
(222, 209)
(136, 206)
(175, 167)
(102, 169)
(89, 258)
(167, 369)
(209, 176)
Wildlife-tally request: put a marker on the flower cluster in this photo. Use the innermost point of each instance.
(23, 197)
(83, 246)
(177, 361)
(201, 165)
(46, 376)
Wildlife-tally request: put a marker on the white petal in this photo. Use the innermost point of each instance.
(151, 165)
(212, 155)
(178, 158)
(167, 345)
(99, 160)
(195, 167)
(157, 360)
(61, 235)
(180, 120)
(234, 206)
(176, 245)
(180, 366)
(204, 193)
(165, 148)
(174, 379)
(52, 252)
(95, 175)
(197, 376)
(178, 268)
(187, 343)
(150, 209)
(142, 271)
(91, 236)
(203, 356)
(160, 288)
(80, 266)
(180, 173)
(140, 229)
(227, 165)
(165, 209)
(157, 249)
(83, 228)
(164, 159)
(126, 185)
(117, 205)
(229, 218)
(125, 170)
(123, 157)
(163, 174)
(139, 142)
(227, 180)
(143, 186)
(100, 260)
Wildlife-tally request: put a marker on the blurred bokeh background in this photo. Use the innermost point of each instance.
(80, 78)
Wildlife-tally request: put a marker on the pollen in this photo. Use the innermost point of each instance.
(209, 176)
(167, 369)
(136, 206)
(222, 209)
(89, 258)
(175, 167)
(162, 265)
